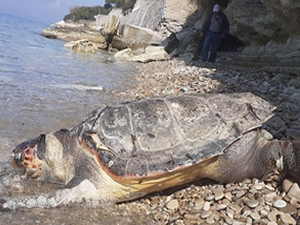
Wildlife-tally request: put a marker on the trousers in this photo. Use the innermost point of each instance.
(212, 40)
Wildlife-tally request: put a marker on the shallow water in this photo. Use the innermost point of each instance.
(44, 87)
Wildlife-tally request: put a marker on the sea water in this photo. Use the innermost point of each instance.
(44, 87)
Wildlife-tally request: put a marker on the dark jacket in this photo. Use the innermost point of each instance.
(222, 20)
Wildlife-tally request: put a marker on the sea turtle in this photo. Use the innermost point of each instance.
(123, 152)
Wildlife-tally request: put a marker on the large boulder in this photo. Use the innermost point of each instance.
(151, 53)
(130, 31)
(135, 38)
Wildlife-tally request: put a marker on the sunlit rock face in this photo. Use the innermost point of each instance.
(268, 27)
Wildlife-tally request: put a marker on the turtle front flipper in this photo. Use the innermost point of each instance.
(29, 155)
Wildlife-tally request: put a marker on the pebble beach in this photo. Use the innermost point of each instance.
(252, 201)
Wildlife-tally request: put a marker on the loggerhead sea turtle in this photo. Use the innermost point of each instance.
(123, 152)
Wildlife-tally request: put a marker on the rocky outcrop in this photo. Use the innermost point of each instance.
(75, 32)
(83, 46)
(268, 29)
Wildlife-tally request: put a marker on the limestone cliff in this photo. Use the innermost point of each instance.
(268, 27)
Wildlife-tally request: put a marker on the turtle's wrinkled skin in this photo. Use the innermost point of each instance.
(123, 152)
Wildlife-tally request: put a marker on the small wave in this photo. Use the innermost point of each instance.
(81, 87)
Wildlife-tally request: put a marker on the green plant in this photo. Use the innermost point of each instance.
(124, 4)
(85, 13)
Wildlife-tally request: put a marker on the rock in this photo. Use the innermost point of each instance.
(210, 220)
(152, 53)
(206, 206)
(239, 194)
(286, 185)
(272, 223)
(221, 207)
(294, 191)
(290, 209)
(219, 194)
(141, 34)
(75, 34)
(259, 186)
(173, 204)
(209, 197)
(110, 27)
(255, 216)
(272, 216)
(252, 203)
(288, 219)
(269, 197)
(199, 202)
(205, 214)
(228, 196)
(83, 46)
(279, 204)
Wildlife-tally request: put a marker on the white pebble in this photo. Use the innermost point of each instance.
(279, 204)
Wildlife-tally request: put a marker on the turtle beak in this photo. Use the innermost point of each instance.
(20, 153)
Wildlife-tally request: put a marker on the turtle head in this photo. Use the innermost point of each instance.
(46, 157)
(291, 159)
(26, 153)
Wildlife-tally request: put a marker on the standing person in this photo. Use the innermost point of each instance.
(215, 27)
